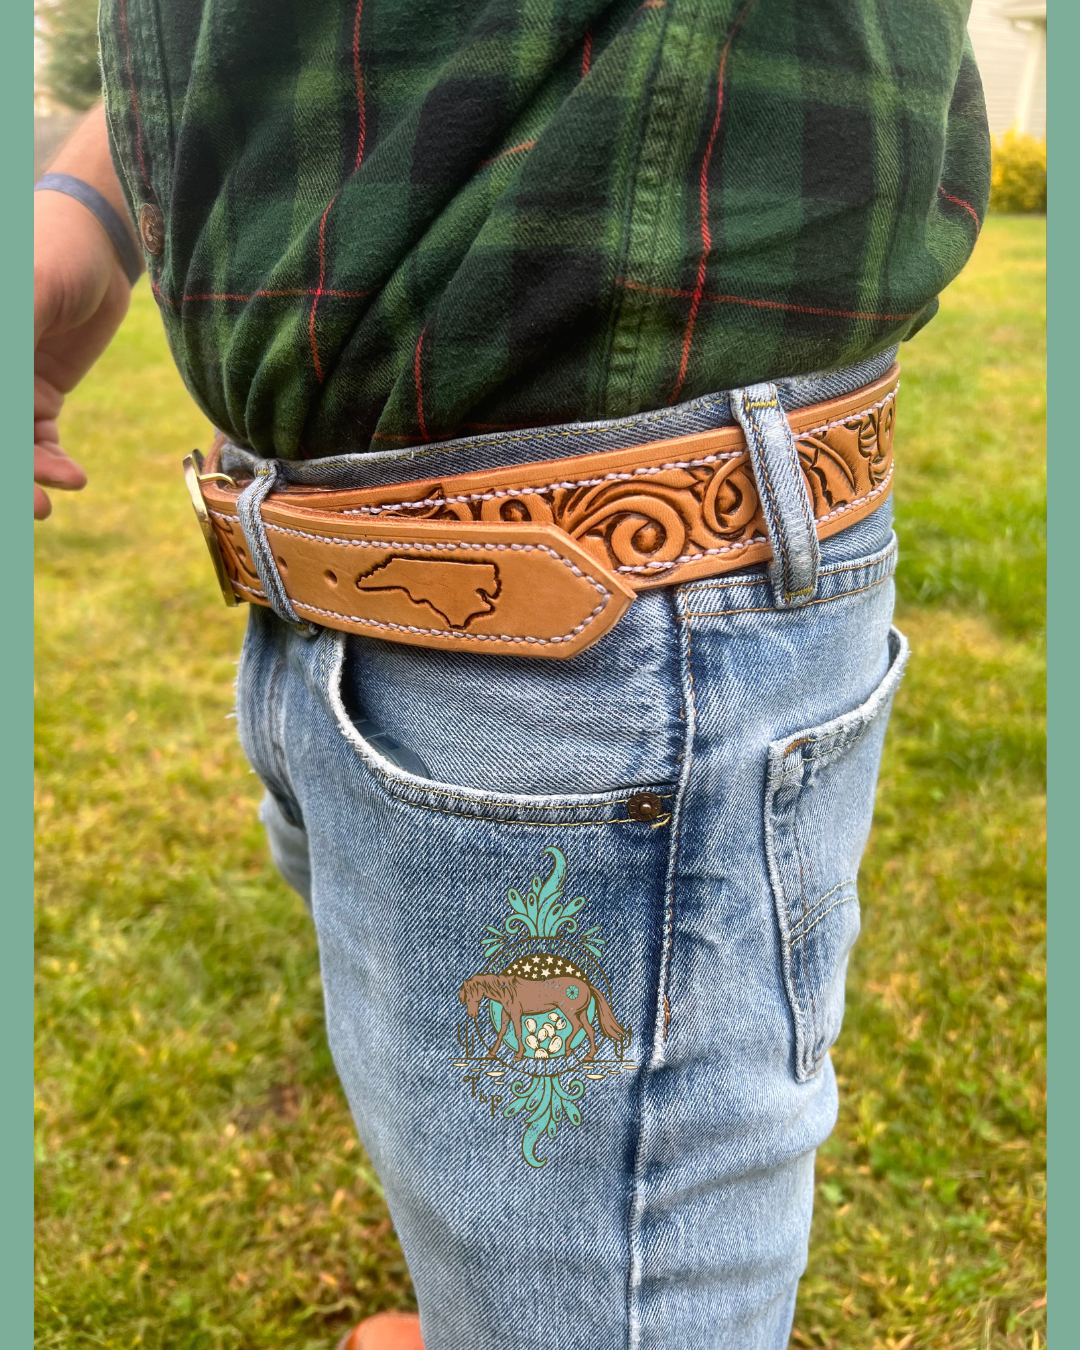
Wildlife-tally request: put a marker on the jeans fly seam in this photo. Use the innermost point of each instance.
(662, 1013)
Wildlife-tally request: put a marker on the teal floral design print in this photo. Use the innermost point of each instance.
(540, 1022)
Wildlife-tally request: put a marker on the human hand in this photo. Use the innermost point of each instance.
(80, 296)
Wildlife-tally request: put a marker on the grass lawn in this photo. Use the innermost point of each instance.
(199, 1183)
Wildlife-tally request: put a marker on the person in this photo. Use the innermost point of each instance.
(552, 347)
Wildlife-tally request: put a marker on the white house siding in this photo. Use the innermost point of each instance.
(1002, 51)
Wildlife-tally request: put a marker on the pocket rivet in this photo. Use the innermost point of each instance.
(645, 806)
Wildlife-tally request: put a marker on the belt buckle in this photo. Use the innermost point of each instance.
(194, 477)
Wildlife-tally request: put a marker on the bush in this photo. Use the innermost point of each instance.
(1018, 173)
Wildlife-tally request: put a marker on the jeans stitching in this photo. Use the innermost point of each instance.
(767, 609)
(775, 520)
(762, 579)
(821, 900)
(804, 501)
(487, 801)
(798, 935)
(512, 820)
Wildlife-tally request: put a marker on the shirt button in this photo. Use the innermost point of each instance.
(645, 806)
(152, 229)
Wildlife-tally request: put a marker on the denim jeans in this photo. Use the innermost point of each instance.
(584, 929)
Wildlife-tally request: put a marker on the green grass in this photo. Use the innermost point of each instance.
(198, 1180)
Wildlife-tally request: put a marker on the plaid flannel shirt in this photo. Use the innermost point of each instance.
(392, 221)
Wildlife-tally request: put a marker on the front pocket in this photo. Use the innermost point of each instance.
(643, 804)
(819, 801)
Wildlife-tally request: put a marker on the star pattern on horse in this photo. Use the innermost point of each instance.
(543, 966)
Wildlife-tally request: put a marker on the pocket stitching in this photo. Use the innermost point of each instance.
(794, 949)
(544, 824)
(331, 672)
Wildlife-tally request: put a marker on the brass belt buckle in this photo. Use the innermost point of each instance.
(194, 477)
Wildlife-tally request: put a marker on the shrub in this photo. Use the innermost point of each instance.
(1018, 173)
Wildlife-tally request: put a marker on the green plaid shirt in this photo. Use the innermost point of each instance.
(391, 221)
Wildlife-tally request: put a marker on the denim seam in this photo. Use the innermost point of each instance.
(807, 952)
(249, 514)
(804, 496)
(775, 520)
(821, 899)
(486, 801)
(512, 820)
(767, 609)
(661, 1015)
(798, 934)
(533, 435)
(783, 917)
(370, 756)
(277, 752)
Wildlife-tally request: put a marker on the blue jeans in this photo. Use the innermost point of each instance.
(584, 929)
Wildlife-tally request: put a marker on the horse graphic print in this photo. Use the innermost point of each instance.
(540, 1022)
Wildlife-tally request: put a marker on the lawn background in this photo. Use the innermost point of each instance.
(198, 1181)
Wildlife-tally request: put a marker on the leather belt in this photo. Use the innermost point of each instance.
(544, 558)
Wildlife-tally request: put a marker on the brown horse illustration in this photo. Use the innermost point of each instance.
(521, 998)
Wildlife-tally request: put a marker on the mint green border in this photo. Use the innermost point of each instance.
(16, 685)
(1063, 308)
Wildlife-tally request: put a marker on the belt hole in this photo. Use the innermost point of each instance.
(330, 577)
(282, 563)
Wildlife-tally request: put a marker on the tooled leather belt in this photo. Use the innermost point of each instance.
(540, 559)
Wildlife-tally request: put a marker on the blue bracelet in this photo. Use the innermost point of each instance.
(91, 198)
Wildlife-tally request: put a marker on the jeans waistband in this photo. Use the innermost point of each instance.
(536, 444)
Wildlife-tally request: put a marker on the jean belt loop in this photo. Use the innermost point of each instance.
(249, 509)
(785, 499)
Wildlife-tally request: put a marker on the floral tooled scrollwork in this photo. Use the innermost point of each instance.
(651, 520)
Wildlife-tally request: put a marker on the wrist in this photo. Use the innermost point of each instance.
(75, 265)
(103, 211)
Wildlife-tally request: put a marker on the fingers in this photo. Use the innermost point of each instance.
(53, 469)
